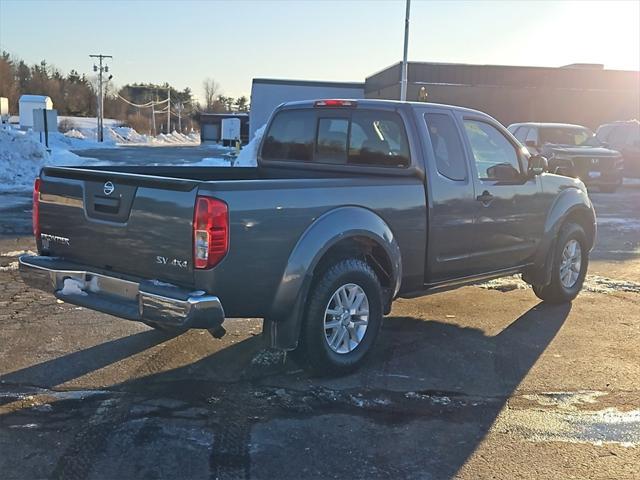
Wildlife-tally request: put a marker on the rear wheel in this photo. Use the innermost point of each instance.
(343, 318)
(569, 267)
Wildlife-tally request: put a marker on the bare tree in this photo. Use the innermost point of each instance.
(211, 89)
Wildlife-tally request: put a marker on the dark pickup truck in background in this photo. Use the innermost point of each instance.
(353, 204)
(574, 151)
(624, 137)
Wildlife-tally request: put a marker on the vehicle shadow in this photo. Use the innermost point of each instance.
(424, 401)
(460, 378)
(57, 371)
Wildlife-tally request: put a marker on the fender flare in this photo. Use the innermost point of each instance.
(284, 319)
(570, 201)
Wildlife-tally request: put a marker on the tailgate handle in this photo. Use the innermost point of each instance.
(106, 205)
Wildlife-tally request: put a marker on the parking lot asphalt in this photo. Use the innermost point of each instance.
(481, 382)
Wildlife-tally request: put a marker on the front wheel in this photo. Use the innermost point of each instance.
(343, 318)
(569, 268)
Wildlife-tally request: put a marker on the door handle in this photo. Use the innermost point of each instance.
(486, 198)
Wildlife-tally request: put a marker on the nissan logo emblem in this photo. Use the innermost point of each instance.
(108, 188)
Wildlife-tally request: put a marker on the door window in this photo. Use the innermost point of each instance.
(495, 157)
(618, 136)
(447, 147)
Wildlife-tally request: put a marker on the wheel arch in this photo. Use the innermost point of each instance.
(366, 235)
(572, 206)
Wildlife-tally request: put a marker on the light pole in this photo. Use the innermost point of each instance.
(405, 67)
(99, 68)
(168, 110)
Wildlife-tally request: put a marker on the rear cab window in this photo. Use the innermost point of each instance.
(339, 137)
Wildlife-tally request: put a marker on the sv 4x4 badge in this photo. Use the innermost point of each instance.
(174, 262)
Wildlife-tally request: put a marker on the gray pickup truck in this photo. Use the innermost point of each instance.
(353, 204)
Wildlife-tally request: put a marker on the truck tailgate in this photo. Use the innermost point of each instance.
(134, 224)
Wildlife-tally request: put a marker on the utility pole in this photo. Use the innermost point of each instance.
(153, 116)
(179, 109)
(99, 68)
(168, 110)
(405, 67)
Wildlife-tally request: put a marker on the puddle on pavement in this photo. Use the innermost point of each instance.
(570, 417)
(593, 284)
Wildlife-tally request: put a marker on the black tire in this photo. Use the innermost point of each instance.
(556, 292)
(314, 346)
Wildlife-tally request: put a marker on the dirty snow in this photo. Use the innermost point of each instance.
(9, 268)
(593, 283)
(571, 417)
(72, 287)
(16, 253)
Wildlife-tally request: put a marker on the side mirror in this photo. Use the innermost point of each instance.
(537, 165)
(530, 143)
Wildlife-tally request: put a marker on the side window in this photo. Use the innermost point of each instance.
(495, 157)
(447, 147)
(521, 134)
(291, 136)
(532, 136)
(618, 136)
(603, 132)
(331, 146)
(633, 140)
(378, 138)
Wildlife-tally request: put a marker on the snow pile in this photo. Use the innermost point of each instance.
(22, 156)
(247, 157)
(249, 154)
(72, 286)
(84, 134)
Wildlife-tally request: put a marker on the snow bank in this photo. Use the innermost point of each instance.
(84, 134)
(22, 156)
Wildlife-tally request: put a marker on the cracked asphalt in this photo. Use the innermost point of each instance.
(481, 382)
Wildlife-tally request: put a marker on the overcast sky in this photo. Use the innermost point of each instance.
(183, 42)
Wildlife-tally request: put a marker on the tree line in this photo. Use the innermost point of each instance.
(75, 94)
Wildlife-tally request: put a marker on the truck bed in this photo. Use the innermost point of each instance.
(144, 227)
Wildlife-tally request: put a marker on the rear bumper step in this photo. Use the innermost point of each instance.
(144, 301)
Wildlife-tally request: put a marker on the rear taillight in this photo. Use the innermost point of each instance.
(36, 209)
(210, 232)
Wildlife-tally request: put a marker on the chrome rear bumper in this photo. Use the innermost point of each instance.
(145, 301)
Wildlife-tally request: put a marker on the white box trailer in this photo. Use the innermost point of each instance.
(268, 93)
(29, 103)
(4, 110)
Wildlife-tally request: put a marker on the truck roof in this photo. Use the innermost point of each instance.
(546, 124)
(372, 103)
